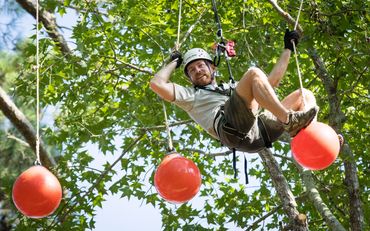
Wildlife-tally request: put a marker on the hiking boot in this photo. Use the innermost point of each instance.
(299, 119)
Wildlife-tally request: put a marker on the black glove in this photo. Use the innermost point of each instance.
(288, 37)
(176, 55)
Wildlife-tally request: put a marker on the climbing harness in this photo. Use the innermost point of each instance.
(220, 90)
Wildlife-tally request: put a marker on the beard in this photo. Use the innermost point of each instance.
(202, 79)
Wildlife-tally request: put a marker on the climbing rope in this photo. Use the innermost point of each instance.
(38, 160)
(296, 57)
(170, 144)
(177, 45)
(222, 47)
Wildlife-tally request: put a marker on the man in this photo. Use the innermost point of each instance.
(235, 119)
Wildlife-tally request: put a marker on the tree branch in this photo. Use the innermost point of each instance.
(144, 70)
(297, 222)
(256, 222)
(49, 22)
(353, 188)
(209, 154)
(187, 34)
(20, 121)
(285, 15)
(319, 204)
(336, 119)
(161, 127)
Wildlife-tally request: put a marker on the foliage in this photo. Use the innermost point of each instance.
(103, 100)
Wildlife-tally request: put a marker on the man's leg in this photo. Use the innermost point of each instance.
(294, 100)
(255, 89)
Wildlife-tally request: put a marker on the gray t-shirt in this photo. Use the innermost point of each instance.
(201, 105)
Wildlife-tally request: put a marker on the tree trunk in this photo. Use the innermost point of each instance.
(297, 221)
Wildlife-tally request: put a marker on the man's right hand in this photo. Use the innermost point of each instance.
(288, 37)
(176, 55)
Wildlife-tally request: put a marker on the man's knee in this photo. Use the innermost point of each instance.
(254, 72)
(308, 96)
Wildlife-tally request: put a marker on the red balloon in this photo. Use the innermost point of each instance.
(316, 146)
(177, 179)
(37, 192)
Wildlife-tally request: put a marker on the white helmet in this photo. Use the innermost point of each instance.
(195, 54)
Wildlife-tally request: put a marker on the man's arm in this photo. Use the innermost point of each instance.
(279, 69)
(160, 83)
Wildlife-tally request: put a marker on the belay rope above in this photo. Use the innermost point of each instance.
(177, 47)
(296, 57)
(38, 160)
(170, 143)
(220, 49)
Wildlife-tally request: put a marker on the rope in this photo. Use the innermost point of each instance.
(177, 45)
(221, 49)
(38, 160)
(170, 144)
(296, 58)
(217, 19)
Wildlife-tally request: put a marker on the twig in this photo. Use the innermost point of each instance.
(160, 127)
(22, 142)
(255, 223)
(285, 15)
(206, 153)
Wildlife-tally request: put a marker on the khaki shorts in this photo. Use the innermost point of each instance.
(236, 117)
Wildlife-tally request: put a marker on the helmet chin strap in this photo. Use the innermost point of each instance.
(210, 71)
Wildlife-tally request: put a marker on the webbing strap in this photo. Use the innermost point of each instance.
(234, 163)
(245, 167)
(246, 170)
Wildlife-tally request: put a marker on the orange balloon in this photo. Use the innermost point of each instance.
(37, 192)
(177, 179)
(316, 147)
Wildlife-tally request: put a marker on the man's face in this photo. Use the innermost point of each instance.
(199, 72)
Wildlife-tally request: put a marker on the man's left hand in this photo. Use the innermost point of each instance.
(288, 37)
